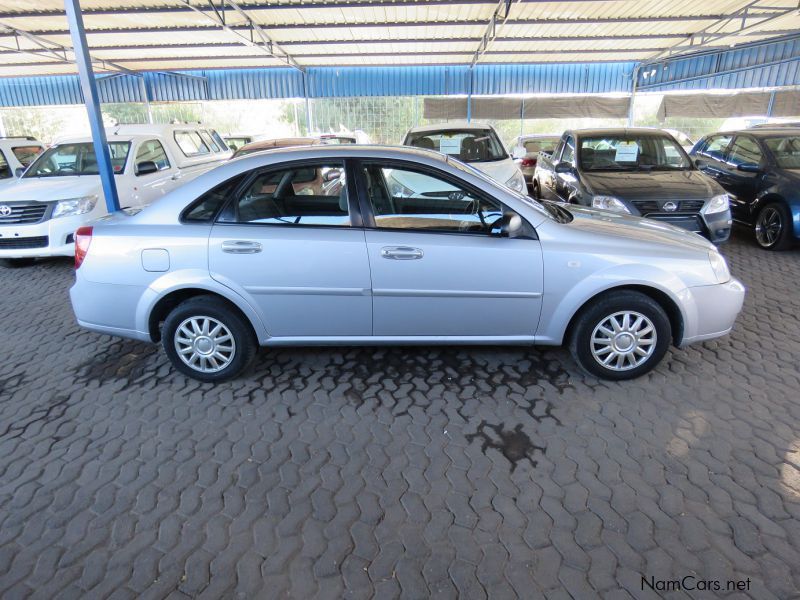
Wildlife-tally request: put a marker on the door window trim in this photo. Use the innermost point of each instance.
(368, 215)
(356, 220)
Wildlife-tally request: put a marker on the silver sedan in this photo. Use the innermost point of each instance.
(376, 245)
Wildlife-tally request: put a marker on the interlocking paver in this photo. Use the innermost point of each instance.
(388, 472)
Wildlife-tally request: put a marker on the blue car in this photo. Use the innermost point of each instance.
(760, 170)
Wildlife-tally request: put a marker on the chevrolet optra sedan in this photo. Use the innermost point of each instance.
(252, 253)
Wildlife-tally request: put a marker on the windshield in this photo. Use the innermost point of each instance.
(467, 145)
(632, 153)
(77, 159)
(786, 151)
(551, 211)
(533, 146)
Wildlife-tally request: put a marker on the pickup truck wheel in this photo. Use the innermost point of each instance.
(16, 263)
(773, 227)
(207, 340)
(621, 335)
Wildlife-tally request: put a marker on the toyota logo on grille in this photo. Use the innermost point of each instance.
(5, 210)
(670, 206)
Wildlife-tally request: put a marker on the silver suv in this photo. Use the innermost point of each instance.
(376, 245)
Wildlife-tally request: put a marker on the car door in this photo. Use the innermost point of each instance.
(440, 267)
(566, 183)
(742, 186)
(712, 155)
(149, 185)
(295, 249)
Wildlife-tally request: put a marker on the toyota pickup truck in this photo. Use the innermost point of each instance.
(642, 172)
(61, 190)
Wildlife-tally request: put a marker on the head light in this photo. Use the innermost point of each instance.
(516, 182)
(75, 206)
(719, 266)
(609, 203)
(717, 204)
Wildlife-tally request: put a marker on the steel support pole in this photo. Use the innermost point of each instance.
(634, 82)
(146, 99)
(469, 97)
(92, 100)
(771, 103)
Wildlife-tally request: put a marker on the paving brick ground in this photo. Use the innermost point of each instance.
(411, 472)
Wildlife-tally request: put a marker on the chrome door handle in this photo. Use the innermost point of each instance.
(240, 247)
(401, 253)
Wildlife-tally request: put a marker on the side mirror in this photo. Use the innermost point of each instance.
(564, 167)
(748, 168)
(700, 164)
(146, 167)
(332, 175)
(519, 152)
(511, 225)
(18, 172)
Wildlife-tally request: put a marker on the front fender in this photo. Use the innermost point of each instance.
(561, 305)
(193, 279)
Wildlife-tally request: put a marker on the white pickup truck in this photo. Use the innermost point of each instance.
(61, 190)
(16, 153)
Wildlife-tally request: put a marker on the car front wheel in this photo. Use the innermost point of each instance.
(207, 340)
(773, 227)
(621, 335)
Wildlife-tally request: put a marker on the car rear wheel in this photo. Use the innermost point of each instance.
(16, 263)
(773, 227)
(208, 340)
(621, 335)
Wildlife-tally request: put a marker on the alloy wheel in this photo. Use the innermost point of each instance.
(768, 226)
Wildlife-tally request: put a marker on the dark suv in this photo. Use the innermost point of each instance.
(760, 170)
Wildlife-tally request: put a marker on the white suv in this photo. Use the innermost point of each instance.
(61, 190)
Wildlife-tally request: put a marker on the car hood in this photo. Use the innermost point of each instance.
(627, 228)
(656, 185)
(499, 170)
(47, 189)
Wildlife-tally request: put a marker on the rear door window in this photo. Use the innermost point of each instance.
(308, 194)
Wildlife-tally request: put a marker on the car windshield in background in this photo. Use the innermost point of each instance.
(632, 153)
(467, 145)
(533, 146)
(786, 151)
(76, 159)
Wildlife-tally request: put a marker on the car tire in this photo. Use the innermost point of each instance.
(535, 191)
(773, 227)
(632, 347)
(16, 263)
(208, 340)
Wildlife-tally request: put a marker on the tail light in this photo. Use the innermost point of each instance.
(528, 162)
(83, 237)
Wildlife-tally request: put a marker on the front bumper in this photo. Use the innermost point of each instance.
(716, 227)
(49, 238)
(711, 310)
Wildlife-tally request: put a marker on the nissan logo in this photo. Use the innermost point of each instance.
(670, 206)
(5, 210)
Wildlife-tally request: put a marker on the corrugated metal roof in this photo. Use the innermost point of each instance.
(160, 34)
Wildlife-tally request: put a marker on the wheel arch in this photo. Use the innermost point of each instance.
(676, 319)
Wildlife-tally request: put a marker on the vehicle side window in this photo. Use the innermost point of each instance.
(716, 146)
(26, 154)
(153, 151)
(210, 142)
(568, 155)
(206, 207)
(5, 170)
(407, 199)
(310, 194)
(190, 143)
(744, 150)
(218, 138)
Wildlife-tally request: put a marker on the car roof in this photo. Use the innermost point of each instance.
(348, 151)
(617, 131)
(759, 132)
(279, 143)
(469, 125)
